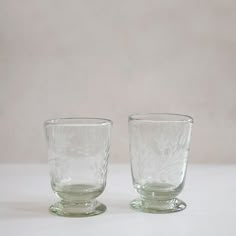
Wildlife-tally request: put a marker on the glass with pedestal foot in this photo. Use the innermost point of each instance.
(159, 148)
(78, 151)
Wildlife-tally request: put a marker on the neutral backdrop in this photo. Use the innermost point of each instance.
(111, 58)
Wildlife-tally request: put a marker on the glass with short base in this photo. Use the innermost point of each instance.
(78, 151)
(159, 148)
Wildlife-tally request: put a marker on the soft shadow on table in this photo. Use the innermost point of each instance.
(19, 210)
(119, 206)
(24, 210)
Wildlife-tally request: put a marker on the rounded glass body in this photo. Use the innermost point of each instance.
(78, 151)
(159, 148)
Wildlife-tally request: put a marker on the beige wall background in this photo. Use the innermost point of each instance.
(110, 58)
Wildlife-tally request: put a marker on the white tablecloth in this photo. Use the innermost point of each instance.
(210, 193)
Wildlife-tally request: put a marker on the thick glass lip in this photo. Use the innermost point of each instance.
(161, 117)
(77, 121)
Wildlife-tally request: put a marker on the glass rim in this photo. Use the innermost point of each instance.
(77, 121)
(156, 117)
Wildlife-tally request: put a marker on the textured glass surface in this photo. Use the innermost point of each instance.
(159, 147)
(78, 151)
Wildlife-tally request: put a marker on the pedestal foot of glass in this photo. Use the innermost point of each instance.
(81, 209)
(157, 206)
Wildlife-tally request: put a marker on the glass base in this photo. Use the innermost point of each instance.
(81, 209)
(157, 206)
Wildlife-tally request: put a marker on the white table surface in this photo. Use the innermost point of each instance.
(210, 193)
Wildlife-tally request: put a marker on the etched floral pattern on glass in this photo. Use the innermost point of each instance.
(159, 148)
(78, 151)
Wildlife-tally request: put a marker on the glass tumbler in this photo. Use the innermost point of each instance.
(159, 148)
(78, 151)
